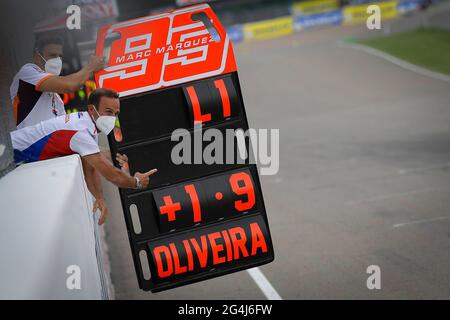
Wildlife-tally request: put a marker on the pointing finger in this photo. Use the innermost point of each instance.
(151, 172)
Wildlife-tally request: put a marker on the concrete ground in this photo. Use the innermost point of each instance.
(364, 176)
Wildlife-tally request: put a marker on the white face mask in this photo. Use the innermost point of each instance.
(105, 123)
(53, 66)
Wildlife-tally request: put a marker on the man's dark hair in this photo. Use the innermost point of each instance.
(43, 41)
(97, 94)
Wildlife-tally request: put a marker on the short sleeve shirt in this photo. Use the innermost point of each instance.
(32, 106)
(57, 137)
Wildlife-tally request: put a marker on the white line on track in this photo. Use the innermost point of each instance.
(398, 225)
(397, 61)
(264, 284)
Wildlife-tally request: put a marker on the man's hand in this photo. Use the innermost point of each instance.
(96, 63)
(115, 175)
(144, 178)
(122, 159)
(101, 204)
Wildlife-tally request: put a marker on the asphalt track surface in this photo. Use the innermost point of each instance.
(364, 176)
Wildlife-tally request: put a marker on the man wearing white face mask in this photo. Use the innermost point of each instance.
(36, 87)
(78, 133)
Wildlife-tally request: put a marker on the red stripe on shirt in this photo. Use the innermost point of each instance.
(58, 145)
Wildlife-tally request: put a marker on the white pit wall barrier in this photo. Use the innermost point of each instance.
(46, 228)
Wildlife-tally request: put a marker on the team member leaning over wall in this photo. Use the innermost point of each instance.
(78, 133)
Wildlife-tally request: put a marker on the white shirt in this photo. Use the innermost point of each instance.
(32, 106)
(57, 137)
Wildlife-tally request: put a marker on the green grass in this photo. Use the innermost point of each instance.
(429, 48)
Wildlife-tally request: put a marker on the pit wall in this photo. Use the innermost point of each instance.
(49, 238)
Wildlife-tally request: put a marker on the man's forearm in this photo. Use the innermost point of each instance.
(97, 186)
(123, 180)
(111, 173)
(93, 181)
(79, 78)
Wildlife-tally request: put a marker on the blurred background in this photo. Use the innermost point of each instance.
(364, 119)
